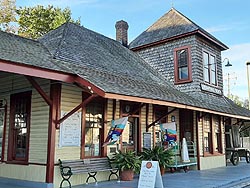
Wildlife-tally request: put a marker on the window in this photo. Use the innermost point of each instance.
(207, 134)
(19, 126)
(93, 128)
(217, 134)
(182, 65)
(209, 68)
(131, 133)
(212, 134)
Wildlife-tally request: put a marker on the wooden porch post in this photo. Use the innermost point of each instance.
(55, 95)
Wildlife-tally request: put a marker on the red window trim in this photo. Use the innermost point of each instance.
(212, 142)
(220, 147)
(11, 137)
(176, 75)
(101, 139)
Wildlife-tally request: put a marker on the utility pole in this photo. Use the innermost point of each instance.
(228, 78)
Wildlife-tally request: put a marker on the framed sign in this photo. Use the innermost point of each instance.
(70, 131)
(147, 140)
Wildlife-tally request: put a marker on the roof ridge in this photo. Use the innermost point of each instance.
(57, 51)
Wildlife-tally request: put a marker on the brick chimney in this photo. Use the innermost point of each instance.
(122, 32)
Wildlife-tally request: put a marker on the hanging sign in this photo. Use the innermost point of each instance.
(150, 176)
(169, 132)
(70, 131)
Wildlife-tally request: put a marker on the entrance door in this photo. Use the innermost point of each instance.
(130, 135)
(186, 125)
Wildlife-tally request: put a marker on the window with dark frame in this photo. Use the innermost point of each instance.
(207, 134)
(93, 128)
(20, 109)
(209, 68)
(182, 65)
(217, 132)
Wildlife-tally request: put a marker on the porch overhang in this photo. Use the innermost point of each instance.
(171, 104)
(28, 70)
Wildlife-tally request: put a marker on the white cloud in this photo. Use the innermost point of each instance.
(218, 28)
(238, 55)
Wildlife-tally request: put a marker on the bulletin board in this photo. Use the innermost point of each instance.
(70, 131)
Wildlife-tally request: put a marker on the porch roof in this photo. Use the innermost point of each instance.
(104, 64)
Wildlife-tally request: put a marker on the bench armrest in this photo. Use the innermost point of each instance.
(65, 170)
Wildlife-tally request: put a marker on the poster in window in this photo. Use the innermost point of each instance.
(70, 130)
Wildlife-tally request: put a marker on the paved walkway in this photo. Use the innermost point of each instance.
(224, 177)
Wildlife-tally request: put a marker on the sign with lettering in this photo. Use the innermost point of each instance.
(150, 176)
(70, 131)
(147, 140)
(211, 89)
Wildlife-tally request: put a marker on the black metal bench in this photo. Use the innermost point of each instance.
(90, 166)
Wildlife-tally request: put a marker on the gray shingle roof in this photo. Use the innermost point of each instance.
(170, 25)
(109, 65)
(102, 61)
(25, 51)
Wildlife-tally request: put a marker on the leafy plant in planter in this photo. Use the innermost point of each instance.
(163, 156)
(127, 163)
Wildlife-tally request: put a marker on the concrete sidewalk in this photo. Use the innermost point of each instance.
(224, 177)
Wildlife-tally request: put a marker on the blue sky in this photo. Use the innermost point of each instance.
(227, 20)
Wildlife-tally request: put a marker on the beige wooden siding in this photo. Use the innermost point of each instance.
(150, 120)
(111, 149)
(10, 84)
(39, 124)
(223, 136)
(212, 162)
(71, 97)
(23, 172)
(200, 136)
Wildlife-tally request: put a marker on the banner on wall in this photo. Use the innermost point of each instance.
(116, 129)
(169, 133)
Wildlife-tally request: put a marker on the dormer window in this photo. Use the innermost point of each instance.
(209, 68)
(182, 62)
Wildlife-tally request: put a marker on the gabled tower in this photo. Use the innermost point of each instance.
(183, 52)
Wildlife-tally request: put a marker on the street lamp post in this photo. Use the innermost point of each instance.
(228, 64)
(248, 63)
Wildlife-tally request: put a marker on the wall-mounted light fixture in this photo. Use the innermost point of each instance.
(228, 63)
(173, 118)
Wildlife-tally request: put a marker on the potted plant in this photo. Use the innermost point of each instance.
(127, 163)
(160, 154)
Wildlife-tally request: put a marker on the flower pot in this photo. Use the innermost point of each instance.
(162, 169)
(127, 175)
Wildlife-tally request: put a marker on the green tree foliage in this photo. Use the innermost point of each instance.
(39, 20)
(240, 102)
(236, 100)
(7, 15)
